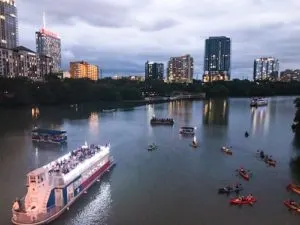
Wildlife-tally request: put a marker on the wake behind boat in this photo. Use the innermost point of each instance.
(51, 189)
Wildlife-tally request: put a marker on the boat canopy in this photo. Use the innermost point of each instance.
(188, 128)
(48, 132)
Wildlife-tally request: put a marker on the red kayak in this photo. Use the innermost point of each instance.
(245, 201)
(294, 188)
(291, 206)
(244, 175)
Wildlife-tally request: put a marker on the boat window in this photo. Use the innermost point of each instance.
(32, 179)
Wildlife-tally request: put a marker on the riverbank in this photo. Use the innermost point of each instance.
(24, 92)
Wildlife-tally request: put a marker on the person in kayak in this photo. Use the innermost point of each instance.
(237, 186)
(262, 154)
(246, 134)
(293, 203)
(249, 197)
(242, 170)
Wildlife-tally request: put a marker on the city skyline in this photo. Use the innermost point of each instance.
(135, 36)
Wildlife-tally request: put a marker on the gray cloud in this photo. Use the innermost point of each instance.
(122, 35)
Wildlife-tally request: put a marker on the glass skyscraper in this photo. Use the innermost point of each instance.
(266, 69)
(49, 44)
(8, 24)
(217, 59)
(154, 71)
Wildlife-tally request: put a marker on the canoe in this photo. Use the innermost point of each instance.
(238, 201)
(244, 175)
(294, 188)
(292, 207)
(226, 150)
(226, 190)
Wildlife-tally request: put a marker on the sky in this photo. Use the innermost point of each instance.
(121, 35)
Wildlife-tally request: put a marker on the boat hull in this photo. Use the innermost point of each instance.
(85, 186)
(242, 202)
(246, 176)
(294, 188)
(291, 207)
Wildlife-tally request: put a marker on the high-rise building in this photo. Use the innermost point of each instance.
(290, 75)
(82, 69)
(266, 68)
(181, 69)
(154, 71)
(217, 59)
(8, 24)
(49, 44)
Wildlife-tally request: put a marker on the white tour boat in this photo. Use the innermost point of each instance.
(255, 102)
(52, 188)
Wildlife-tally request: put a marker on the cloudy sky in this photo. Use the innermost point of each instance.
(120, 35)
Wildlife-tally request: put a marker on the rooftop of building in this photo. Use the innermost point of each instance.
(22, 48)
(218, 37)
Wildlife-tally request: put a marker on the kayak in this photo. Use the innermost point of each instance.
(226, 190)
(270, 162)
(294, 188)
(244, 175)
(152, 148)
(238, 201)
(226, 150)
(292, 207)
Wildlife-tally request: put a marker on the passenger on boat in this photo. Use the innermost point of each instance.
(16, 205)
(246, 134)
(237, 186)
(242, 170)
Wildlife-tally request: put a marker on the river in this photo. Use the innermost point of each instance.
(175, 185)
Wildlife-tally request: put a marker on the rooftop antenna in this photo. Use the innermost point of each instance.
(44, 20)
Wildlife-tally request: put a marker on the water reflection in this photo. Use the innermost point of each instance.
(260, 119)
(35, 112)
(94, 122)
(215, 111)
(181, 109)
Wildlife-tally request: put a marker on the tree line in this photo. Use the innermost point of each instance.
(22, 91)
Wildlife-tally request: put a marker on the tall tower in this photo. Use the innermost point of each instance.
(8, 24)
(49, 44)
(181, 69)
(217, 59)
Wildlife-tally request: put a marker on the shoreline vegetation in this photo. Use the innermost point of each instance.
(15, 92)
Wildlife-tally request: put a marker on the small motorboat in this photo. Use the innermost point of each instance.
(226, 150)
(292, 205)
(294, 188)
(230, 189)
(244, 174)
(249, 200)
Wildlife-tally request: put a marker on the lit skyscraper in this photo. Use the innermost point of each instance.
(8, 24)
(181, 69)
(48, 43)
(217, 59)
(154, 71)
(266, 69)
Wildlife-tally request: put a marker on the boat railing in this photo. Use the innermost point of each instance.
(30, 217)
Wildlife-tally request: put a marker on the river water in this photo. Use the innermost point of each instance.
(175, 185)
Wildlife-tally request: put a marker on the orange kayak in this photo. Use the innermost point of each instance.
(244, 175)
(238, 201)
(270, 162)
(290, 206)
(294, 188)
